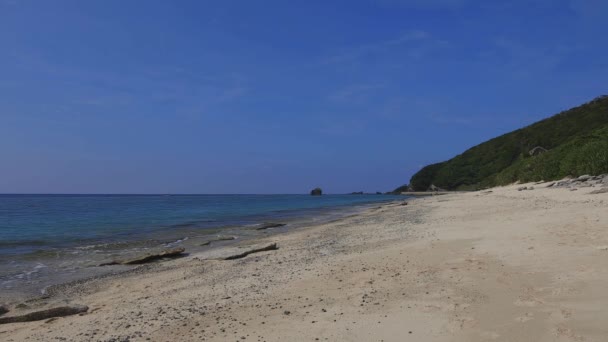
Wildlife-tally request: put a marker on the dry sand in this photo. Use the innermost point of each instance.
(504, 265)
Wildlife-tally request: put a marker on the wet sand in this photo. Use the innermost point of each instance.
(499, 265)
(25, 275)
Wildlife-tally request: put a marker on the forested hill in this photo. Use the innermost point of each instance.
(571, 143)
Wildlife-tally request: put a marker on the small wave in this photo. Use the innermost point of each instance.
(26, 275)
(87, 247)
(116, 245)
(176, 242)
(51, 253)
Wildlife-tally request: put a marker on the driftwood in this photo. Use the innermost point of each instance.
(147, 258)
(270, 247)
(270, 225)
(45, 314)
(221, 238)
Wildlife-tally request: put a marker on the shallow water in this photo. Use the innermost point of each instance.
(46, 239)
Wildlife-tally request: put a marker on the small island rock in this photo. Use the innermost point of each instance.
(316, 192)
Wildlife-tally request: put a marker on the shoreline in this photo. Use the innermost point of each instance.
(207, 239)
(498, 264)
(219, 247)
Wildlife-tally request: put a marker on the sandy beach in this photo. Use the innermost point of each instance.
(497, 265)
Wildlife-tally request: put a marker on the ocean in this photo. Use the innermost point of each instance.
(49, 239)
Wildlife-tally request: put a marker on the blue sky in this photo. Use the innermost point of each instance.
(277, 96)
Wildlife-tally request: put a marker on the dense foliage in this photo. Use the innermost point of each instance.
(576, 140)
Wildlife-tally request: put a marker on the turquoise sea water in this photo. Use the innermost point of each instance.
(44, 235)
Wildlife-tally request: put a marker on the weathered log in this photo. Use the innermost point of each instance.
(45, 314)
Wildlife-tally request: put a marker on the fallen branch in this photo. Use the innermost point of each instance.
(271, 247)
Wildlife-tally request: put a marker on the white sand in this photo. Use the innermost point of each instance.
(499, 266)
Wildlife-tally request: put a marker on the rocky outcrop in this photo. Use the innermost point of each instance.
(583, 178)
(584, 181)
(61, 311)
(600, 191)
(435, 188)
(537, 151)
(168, 253)
(316, 192)
(3, 310)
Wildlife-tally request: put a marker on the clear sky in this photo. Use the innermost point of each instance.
(277, 96)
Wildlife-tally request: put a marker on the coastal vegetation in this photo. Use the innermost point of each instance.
(571, 143)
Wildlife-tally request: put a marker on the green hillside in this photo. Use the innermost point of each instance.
(576, 141)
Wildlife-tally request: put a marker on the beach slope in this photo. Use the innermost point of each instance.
(498, 265)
